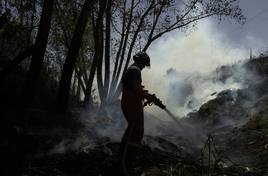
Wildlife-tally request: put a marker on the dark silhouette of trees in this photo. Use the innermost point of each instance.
(18, 59)
(69, 65)
(39, 49)
(91, 42)
(107, 50)
(17, 31)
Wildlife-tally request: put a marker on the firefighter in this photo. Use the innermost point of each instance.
(133, 96)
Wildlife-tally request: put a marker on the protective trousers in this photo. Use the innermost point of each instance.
(132, 108)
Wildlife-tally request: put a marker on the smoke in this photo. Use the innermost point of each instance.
(71, 145)
(186, 72)
(183, 68)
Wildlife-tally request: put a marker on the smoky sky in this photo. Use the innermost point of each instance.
(201, 51)
(255, 27)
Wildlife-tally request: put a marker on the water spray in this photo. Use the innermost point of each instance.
(172, 116)
(152, 99)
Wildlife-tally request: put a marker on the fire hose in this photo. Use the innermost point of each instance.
(152, 99)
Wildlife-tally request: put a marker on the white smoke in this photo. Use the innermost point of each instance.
(183, 77)
(182, 72)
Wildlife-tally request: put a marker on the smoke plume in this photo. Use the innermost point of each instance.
(183, 68)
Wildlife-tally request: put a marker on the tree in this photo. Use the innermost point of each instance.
(39, 49)
(107, 49)
(17, 30)
(69, 65)
(97, 24)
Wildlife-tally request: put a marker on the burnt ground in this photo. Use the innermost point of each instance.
(240, 147)
(27, 150)
(246, 148)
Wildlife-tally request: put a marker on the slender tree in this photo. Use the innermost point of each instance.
(107, 49)
(96, 66)
(39, 49)
(69, 65)
(99, 47)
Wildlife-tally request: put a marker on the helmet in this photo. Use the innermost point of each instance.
(142, 57)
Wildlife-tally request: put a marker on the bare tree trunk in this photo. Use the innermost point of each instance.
(113, 83)
(98, 56)
(68, 68)
(79, 77)
(78, 91)
(107, 50)
(32, 22)
(88, 97)
(40, 49)
(82, 65)
(118, 88)
(99, 32)
(74, 83)
(99, 48)
(21, 11)
(153, 28)
(115, 79)
(136, 34)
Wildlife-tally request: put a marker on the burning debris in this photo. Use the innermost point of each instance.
(103, 160)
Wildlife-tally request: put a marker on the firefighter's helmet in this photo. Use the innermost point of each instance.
(142, 57)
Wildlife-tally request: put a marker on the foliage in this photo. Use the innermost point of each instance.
(13, 37)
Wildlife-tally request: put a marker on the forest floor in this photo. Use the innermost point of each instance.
(37, 142)
(31, 150)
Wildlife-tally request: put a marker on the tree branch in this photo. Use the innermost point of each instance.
(153, 27)
(120, 46)
(152, 5)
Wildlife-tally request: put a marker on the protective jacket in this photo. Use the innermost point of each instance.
(132, 105)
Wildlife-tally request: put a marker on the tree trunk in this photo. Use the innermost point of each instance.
(39, 51)
(99, 39)
(115, 79)
(98, 56)
(117, 90)
(88, 97)
(99, 50)
(74, 83)
(68, 68)
(32, 22)
(107, 50)
(112, 87)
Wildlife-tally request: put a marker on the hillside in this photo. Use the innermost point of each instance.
(228, 135)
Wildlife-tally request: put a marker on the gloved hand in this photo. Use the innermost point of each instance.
(152, 99)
